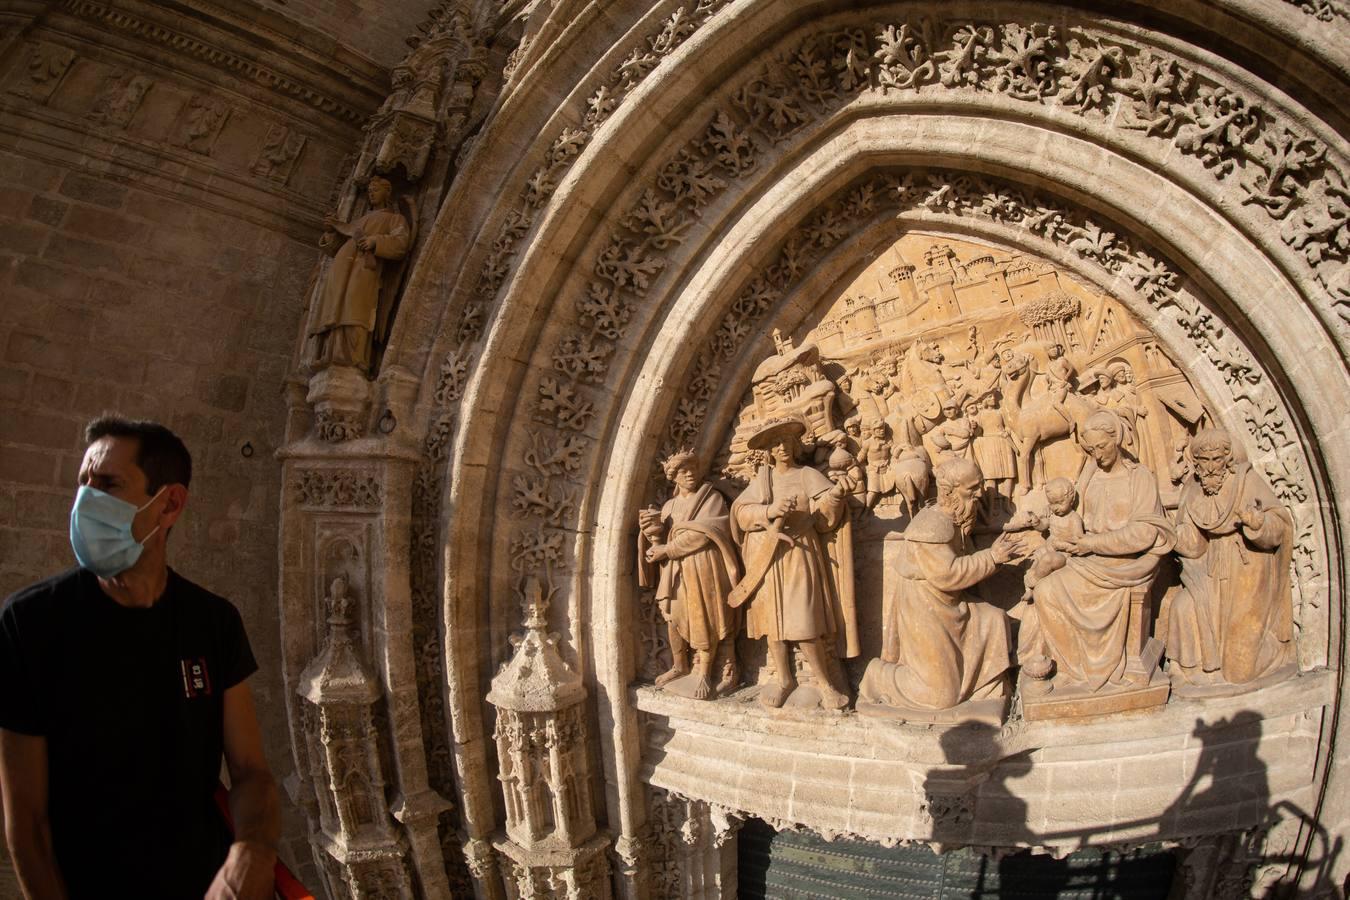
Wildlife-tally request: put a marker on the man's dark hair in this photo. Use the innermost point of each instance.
(160, 453)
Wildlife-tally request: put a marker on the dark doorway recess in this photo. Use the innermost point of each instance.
(794, 866)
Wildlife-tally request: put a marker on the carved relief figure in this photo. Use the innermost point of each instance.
(1060, 371)
(1063, 528)
(1232, 622)
(686, 553)
(955, 435)
(796, 541)
(911, 471)
(1080, 614)
(1040, 419)
(875, 456)
(994, 451)
(940, 646)
(355, 301)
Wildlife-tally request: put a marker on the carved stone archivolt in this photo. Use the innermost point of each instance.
(946, 334)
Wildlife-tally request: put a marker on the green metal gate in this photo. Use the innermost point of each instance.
(796, 866)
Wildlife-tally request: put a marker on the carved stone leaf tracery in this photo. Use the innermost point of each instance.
(338, 488)
(1283, 171)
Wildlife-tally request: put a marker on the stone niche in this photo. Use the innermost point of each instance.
(1041, 641)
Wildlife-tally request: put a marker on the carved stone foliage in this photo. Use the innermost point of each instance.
(1283, 172)
(1159, 97)
(338, 489)
(684, 850)
(1324, 10)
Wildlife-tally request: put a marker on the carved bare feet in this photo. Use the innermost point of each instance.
(730, 680)
(703, 690)
(775, 695)
(671, 674)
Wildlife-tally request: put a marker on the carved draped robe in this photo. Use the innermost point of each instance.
(939, 646)
(807, 592)
(349, 306)
(1234, 615)
(693, 584)
(1080, 613)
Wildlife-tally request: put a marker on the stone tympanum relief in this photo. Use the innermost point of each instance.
(969, 467)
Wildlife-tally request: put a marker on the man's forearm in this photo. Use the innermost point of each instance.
(254, 804)
(35, 863)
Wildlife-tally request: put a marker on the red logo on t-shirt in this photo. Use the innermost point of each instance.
(196, 679)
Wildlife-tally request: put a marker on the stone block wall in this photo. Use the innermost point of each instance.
(162, 187)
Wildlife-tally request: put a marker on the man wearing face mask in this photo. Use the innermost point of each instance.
(121, 685)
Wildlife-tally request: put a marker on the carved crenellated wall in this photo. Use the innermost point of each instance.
(657, 195)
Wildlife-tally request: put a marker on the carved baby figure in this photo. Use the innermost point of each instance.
(1063, 526)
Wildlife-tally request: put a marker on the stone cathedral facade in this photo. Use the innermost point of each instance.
(645, 434)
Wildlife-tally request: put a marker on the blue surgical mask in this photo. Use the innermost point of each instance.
(100, 532)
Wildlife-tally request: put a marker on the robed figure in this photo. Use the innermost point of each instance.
(356, 299)
(1080, 614)
(686, 552)
(941, 646)
(1232, 620)
(793, 526)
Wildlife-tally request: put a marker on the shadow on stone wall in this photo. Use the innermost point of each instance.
(1221, 838)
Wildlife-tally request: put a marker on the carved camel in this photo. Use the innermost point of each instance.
(1039, 420)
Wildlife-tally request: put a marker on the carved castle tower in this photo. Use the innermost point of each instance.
(544, 767)
(356, 845)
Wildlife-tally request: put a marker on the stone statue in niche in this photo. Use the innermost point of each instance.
(1091, 617)
(941, 647)
(793, 527)
(1232, 621)
(354, 305)
(686, 553)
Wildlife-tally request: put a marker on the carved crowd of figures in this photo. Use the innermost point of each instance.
(769, 553)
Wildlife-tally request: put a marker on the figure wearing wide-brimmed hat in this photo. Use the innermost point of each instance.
(793, 527)
(686, 553)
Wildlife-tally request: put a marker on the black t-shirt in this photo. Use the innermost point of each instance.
(131, 702)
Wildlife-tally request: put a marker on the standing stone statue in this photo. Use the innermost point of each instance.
(796, 541)
(686, 553)
(1080, 614)
(1232, 622)
(939, 645)
(355, 300)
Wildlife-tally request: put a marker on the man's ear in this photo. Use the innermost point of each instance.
(176, 496)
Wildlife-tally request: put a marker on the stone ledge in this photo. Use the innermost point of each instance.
(847, 774)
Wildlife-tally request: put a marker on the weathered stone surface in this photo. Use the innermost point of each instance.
(616, 214)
